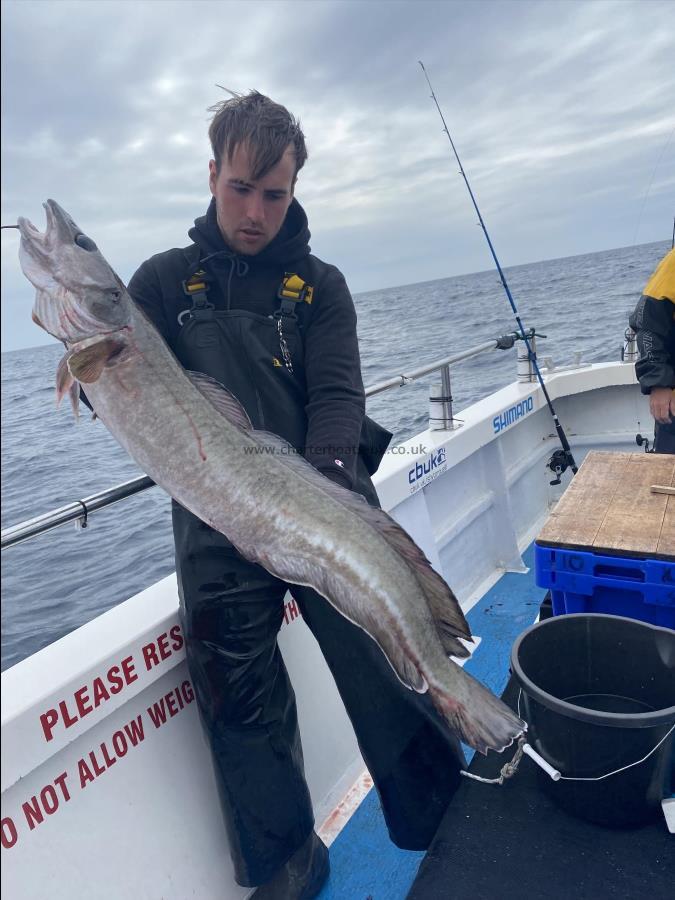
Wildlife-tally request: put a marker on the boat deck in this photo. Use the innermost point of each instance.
(514, 842)
(364, 862)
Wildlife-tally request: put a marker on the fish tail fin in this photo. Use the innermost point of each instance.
(481, 720)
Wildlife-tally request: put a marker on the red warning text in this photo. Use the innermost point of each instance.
(162, 647)
(9, 833)
(291, 611)
(46, 802)
(171, 704)
(96, 762)
(88, 698)
(106, 754)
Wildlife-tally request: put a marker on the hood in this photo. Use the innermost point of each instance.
(289, 246)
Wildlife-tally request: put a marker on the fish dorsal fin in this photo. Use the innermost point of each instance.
(443, 605)
(222, 399)
(451, 644)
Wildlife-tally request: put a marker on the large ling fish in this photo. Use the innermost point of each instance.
(196, 441)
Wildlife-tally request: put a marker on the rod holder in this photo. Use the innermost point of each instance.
(440, 404)
(526, 371)
(629, 351)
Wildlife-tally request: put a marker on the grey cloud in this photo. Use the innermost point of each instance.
(560, 112)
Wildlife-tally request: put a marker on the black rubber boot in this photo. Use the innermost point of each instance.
(302, 877)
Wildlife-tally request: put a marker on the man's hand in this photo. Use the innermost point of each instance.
(662, 404)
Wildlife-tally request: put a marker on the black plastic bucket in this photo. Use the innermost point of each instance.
(598, 693)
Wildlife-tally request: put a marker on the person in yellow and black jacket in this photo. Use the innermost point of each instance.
(654, 322)
(248, 304)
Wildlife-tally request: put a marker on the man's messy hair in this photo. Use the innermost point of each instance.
(266, 127)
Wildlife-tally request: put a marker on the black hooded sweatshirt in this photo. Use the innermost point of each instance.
(328, 382)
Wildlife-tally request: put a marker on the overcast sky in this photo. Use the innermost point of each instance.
(563, 114)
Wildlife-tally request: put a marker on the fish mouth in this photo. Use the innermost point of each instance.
(59, 221)
(59, 227)
(27, 230)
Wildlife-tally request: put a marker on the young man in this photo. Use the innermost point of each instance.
(247, 304)
(654, 322)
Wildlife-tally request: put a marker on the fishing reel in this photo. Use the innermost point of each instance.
(558, 463)
(640, 441)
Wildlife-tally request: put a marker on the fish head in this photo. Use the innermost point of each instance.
(78, 295)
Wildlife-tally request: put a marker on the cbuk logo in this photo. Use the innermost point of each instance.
(435, 461)
(512, 414)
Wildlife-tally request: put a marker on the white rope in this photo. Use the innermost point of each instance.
(507, 771)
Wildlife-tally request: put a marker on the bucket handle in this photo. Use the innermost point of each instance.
(554, 772)
(524, 748)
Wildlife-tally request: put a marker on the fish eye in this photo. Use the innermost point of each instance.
(115, 295)
(85, 242)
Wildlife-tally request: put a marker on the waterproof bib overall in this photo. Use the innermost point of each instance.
(232, 611)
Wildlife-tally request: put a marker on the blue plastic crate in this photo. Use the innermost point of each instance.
(581, 581)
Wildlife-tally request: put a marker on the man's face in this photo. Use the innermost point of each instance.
(250, 213)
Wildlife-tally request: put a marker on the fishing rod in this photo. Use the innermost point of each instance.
(566, 458)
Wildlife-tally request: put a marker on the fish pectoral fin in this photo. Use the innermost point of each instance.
(64, 379)
(222, 399)
(87, 364)
(74, 394)
(66, 384)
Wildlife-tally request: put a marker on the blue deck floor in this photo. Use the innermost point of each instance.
(365, 865)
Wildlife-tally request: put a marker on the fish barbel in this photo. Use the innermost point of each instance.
(195, 440)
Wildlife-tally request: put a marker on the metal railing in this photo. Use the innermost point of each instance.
(79, 511)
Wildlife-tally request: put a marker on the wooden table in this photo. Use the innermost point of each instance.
(609, 507)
